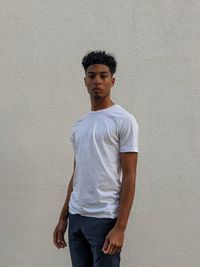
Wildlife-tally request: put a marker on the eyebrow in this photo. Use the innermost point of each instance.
(102, 72)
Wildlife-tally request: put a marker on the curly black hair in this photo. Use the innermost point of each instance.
(100, 57)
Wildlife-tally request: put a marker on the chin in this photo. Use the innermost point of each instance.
(97, 97)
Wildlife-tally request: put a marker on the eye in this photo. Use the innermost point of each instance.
(103, 76)
(90, 76)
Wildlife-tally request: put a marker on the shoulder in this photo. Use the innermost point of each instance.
(80, 120)
(76, 124)
(125, 116)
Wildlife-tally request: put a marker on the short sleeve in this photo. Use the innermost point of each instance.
(128, 135)
(72, 138)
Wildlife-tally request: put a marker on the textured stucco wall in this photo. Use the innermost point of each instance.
(42, 93)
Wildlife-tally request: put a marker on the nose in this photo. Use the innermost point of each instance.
(97, 79)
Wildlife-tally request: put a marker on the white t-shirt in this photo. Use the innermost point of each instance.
(97, 139)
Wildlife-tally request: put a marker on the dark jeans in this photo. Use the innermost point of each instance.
(86, 236)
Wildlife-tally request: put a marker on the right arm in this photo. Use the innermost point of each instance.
(65, 210)
(58, 234)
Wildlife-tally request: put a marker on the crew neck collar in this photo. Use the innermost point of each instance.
(103, 110)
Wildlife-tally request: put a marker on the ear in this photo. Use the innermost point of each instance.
(113, 81)
(85, 80)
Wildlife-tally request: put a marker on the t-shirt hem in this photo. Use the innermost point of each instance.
(109, 215)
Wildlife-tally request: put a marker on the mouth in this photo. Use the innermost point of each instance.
(96, 89)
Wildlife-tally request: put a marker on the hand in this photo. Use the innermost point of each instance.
(114, 241)
(58, 234)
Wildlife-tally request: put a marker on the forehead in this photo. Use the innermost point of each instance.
(97, 68)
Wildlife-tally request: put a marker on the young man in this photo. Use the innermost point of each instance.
(102, 186)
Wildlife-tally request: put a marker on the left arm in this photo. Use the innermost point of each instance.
(114, 239)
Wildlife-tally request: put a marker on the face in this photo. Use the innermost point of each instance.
(98, 80)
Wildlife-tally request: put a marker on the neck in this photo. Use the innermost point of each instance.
(97, 104)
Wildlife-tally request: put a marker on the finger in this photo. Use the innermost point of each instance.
(105, 245)
(109, 249)
(119, 250)
(58, 240)
(114, 250)
(57, 244)
(61, 242)
(55, 239)
(64, 244)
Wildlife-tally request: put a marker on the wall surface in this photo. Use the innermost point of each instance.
(42, 93)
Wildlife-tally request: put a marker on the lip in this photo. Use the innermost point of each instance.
(96, 89)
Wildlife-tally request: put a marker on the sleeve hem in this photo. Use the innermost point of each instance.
(129, 149)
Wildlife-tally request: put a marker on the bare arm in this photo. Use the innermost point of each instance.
(115, 237)
(129, 165)
(65, 210)
(58, 234)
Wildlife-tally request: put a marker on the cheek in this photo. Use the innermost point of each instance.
(109, 85)
(87, 84)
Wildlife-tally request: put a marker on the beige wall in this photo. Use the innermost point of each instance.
(42, 93)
